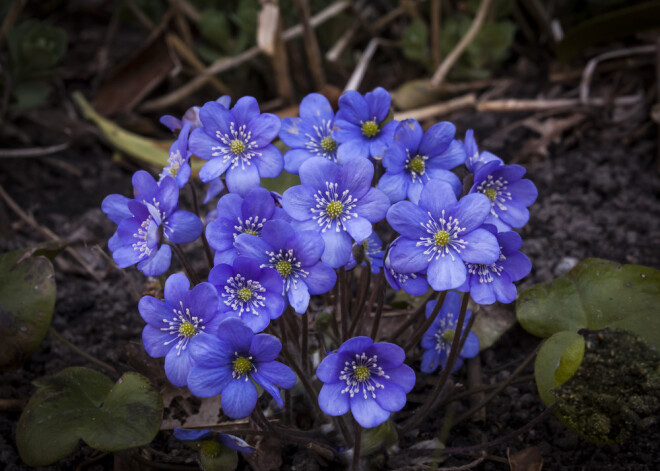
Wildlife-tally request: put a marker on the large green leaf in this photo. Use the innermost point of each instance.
(27, 299)
(594, 295)
(557, 360)
(80, 403)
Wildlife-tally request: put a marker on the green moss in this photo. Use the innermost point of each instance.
(616, 390)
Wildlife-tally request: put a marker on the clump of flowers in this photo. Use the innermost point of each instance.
(317, 250)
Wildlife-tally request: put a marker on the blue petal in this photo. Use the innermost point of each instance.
(415, 286)
(353, 108)
(406, 257)
(390, 397)
(430, 361)
(211, 352)
(116, 207)
(373, 205)
(265, 348)
(406, 218)
(213, 169)
(516, 215)
(408, 134)
(394, 158)
(177, 287)
(389, 354)
(321, 278)
(330, 368)
(446, 273)
(298, 295)
(239, 398)
(332, 401)
(517, 265)
(153, 310)
(191, 435)
(184, 227)
(259, 203)
(298, 201)
(353, 149)
(144, 186)
(157, 264)
(504, 289)
(209, 382)
(294, 158)
(378, 101)
(234, 443)
(214, 189)
(315, 172)
(471, 211)
(481, 293)
(252, 246)
(277, 232)
(245, 109)
(355, 176)
(125, 256)
(234, 332)
(215, 117)
(403, 376)
(367, 412)
(394, 185)
(248, 267)
(204, 301)
(229, 207)
(220, 234)
(436, 197)
(359, 228)
(178, 364)
(307, 247)
(356, 345)
(270, 163)
(524, 191)
(383, 140)
(471, 346)
(338, 247)
(264, 128)
(275, 373)
(481, 247)
(452, 157)
(242, 180)
(167, 195)
(315, 107)
(156, 341)
(202, 144)
(437, 139)
(448, 177)
(292, 133)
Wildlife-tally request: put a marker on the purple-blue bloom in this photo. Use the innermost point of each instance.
(147, 222)
(295, 256)
(475, 159)
(440, 233)
(371, 251)
(412, 283)
(416, 156)
(494, 282)
(438, 339)
(338, 202)
(508, 192)
(238, 215)
(230, 441)
(177, 163)
(176, 323)
(227, 364)
(190, 116)
(237, 141)
(369, 379)
(249, 292)
(311, 134)
(360, 125)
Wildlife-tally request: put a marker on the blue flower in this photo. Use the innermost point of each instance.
(415, 157)
(361, 130)
(412, 283)
(508, 192)
(177, 163)
(295, 256)
(230, 441)
(238, 141)
(227, 364)
(438, 339)
(249, 292)
(494, 282)
(371, 251)
(338, 202)
(237, 215)
(369, 379)
(440, 234)
(190, 116)
(475, 159)
(147, 222)
(173, 325)
(311, 134)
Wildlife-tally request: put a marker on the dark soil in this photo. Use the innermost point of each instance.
(599, 196)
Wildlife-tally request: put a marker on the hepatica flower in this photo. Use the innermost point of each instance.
(494, 282)
(238, 215)
(370, 251)
(237, 141)
(174, 324)
(338, 202)
(412, 283)
(147, 222)
(474, 160)
(438, 339)
(416, 156)
(190, 116)
(227, 363)
(311, 134)
(361, 128)
(211, 442)
(295, 256)
(508, 192)
(369, 379)
(248, 292)
(440, 234)
(177, 163)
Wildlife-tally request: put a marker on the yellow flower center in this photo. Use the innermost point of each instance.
(417, 165)
(210, 448)
(491, 193)
(441, 238)
(361, 373)
(283, 268)
(245, 294)
(250, 231)
(365, 244)
(242, 365)
(334, 209)
(187, 329)
(448, 335)
(237, 146)
(370, 128)
(328, 144)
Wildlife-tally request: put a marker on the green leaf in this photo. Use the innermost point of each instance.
(594, 295)
(80, 403)
(27, 299)
(557, 360)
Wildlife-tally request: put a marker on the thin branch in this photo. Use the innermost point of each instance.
(33, 151)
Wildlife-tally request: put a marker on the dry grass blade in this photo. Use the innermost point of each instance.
(361, 68)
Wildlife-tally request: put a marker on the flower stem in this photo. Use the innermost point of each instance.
(412, 320)
(207, 248)
(379, 291)
(444, 376)
(343, 299)
(186, 264)
(101, 364)
(414, 340)
(305, 343)
(356, 447)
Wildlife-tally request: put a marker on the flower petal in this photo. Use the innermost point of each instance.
(359, 228)
(153, 310)
(204, 301)
(213, 169)
(315, 107)
(235, 333)
(315, 172)
(183, 227)
(390, 397)
(155, 341)
(408, 135)
(446, 273)
(298, 201)
(176, 289)
(321, 278)
(332, 401)
(330, 368)
(298, 295)
(178, 364)
(436, 197)
(378, 101)
(294, 158)
(245, 109)
(252, 246)
(407, 218)
(239, 398)
(264, 128)
(471, 210)
(394, 185)
(355, 176)
(241, 180)
(353, 108)
(209, 382)
(338, 247)
(356, 345)
(406, 257)
(353, 149)
(270, 163)
(437, 139)
(367, 412)
(481, 247)
(389, 354)
(265, 347)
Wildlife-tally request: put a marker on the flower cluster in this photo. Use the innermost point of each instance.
(363, 176)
